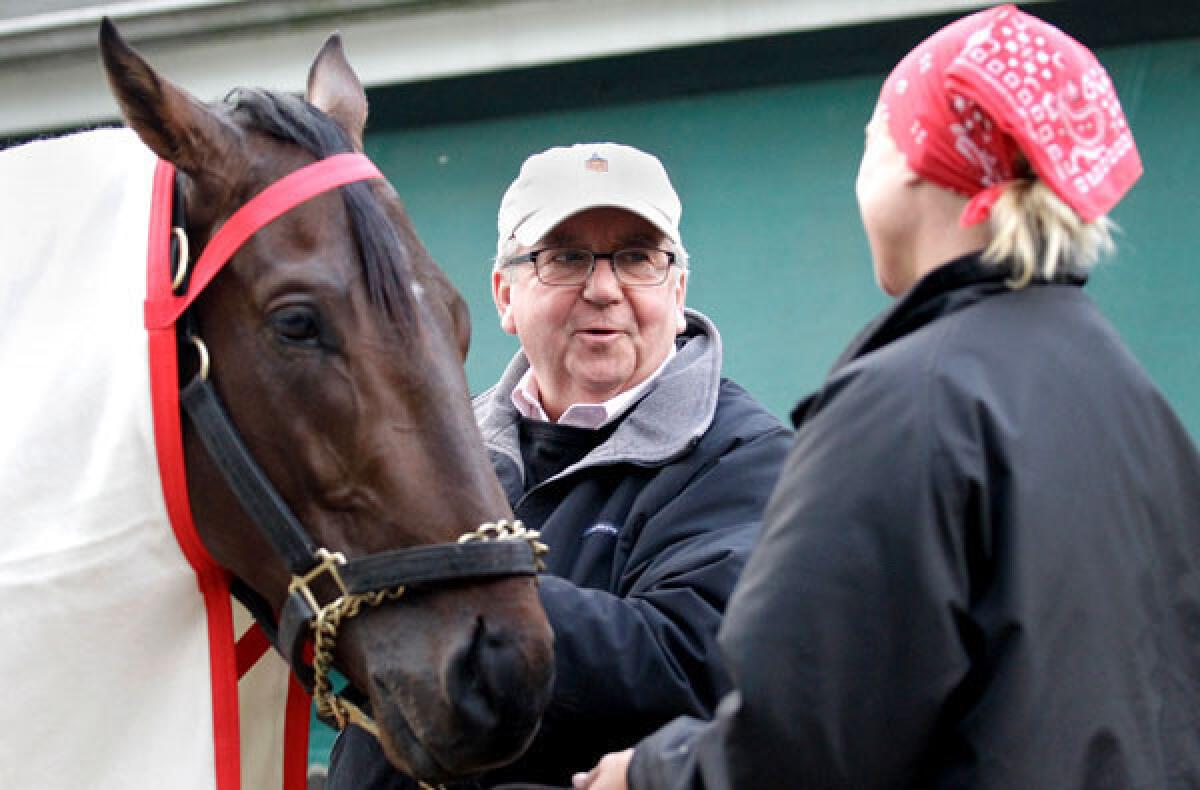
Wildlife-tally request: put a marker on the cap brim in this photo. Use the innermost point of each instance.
(538, 224)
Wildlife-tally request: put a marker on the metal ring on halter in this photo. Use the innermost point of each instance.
(181, 265)
(202, 350)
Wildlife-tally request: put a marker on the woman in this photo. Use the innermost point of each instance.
(981, 565)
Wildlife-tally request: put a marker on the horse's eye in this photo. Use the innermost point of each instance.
(297, 324)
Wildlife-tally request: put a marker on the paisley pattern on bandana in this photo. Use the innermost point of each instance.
(968, 99)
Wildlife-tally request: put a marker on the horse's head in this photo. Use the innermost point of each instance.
(337, 346)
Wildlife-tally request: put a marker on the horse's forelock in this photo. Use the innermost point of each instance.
(386, 261)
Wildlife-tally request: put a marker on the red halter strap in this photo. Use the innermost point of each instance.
(163, 311)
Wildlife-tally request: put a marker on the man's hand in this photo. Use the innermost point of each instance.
(609, 773)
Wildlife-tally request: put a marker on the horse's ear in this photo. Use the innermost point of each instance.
(435, 281)
(173, 124)
(334, 88)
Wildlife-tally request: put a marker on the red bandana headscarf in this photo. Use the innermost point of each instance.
(968, 99)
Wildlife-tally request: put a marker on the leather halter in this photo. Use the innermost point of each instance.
(491, 551)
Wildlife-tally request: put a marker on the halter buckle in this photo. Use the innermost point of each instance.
(328, 562)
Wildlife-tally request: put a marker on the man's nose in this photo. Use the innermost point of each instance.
(602, 284)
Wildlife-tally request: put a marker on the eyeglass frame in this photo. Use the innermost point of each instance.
(531, 258)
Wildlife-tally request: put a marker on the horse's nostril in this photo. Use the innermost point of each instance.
(467, 684)
(486, 678)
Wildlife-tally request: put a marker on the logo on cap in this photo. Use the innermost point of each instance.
(597, 164)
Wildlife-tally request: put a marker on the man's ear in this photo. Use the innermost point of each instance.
(502, 296)
(680, 296)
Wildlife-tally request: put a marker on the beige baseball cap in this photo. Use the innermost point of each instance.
(561, 182)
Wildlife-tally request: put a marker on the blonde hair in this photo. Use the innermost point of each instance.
(1039, 234)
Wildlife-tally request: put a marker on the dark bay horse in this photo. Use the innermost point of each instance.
(336, 346)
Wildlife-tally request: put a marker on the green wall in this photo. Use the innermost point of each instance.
(766, 178)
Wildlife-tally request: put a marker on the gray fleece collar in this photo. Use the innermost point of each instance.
(664, 424)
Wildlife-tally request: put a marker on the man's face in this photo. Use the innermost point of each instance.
(590, 342)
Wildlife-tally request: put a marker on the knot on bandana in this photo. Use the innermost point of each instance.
(998, 84)
(979, 207)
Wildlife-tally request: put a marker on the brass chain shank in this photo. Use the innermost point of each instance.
(509, 530)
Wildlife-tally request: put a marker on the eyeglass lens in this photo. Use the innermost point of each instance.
(638, 266)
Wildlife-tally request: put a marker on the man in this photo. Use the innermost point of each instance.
(613, 434)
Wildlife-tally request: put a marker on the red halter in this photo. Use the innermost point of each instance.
(163, 308)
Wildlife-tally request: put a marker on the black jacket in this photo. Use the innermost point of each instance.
(648, 534)
(981, 567)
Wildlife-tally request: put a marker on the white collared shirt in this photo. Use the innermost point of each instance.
(527, 400)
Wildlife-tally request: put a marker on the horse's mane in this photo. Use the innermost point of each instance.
(385, 260)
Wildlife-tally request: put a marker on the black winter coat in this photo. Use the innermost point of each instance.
(648, 535)
(981, 567)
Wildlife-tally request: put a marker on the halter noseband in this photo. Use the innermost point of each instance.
(493, 550)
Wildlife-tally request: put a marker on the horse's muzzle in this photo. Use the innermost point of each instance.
(487, 693)
(489, 681)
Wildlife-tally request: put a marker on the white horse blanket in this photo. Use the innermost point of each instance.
(105, 653)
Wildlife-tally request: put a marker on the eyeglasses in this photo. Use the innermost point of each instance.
(561, 266)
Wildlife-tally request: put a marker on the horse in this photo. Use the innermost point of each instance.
(329, 471)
